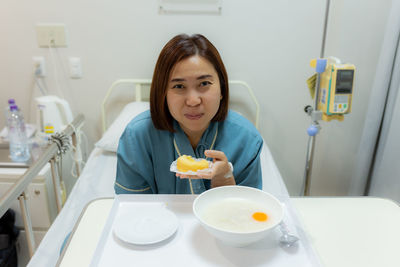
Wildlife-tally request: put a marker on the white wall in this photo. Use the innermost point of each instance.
(266, 43)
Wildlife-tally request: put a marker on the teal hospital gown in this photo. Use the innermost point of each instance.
(145, 155)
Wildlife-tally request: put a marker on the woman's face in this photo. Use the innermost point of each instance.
(193, 94)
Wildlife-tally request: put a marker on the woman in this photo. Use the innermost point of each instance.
(188, 116)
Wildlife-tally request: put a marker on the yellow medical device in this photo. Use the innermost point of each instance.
(335, 88)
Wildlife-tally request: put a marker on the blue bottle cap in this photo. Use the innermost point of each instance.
(11, 101)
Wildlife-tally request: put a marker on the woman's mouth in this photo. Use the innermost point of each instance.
(193, 116)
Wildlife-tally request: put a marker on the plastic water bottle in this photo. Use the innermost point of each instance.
(7, 111)
(19, 146)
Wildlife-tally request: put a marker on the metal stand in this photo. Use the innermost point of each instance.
(315, 116)
(312, 132)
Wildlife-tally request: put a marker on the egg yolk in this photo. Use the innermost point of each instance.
(260, 216)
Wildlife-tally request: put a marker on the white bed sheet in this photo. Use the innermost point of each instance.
(97, 180)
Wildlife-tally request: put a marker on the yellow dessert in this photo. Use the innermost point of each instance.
(187, 163)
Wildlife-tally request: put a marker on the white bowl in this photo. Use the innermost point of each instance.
(238, 238)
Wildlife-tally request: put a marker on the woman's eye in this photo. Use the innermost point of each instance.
(205, 83)
(178, 86)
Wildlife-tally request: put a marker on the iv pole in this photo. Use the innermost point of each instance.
(315, 116)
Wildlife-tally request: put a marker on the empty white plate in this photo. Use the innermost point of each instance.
(144, 223)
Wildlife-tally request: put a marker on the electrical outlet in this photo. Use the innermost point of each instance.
(51, 35)
(39, 66)
(75, 67)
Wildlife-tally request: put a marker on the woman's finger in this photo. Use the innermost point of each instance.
(215, 154)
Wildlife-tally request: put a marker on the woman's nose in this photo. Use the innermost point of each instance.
(193, 98)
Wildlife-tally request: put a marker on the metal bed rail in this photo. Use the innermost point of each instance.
(17, 190)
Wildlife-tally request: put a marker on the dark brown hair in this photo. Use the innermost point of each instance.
(178, 48)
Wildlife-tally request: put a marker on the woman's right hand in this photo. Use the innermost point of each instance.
(218, 172)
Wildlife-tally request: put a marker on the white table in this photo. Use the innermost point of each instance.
(359, 231)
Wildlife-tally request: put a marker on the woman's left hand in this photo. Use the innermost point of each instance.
(218, 171)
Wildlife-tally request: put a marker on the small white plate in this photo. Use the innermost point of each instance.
(144, 223)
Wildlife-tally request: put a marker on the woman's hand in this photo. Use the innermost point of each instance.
(218, 171)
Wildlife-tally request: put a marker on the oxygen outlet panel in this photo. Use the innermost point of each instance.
(53, 35)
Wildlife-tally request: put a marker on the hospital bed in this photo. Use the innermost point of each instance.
(97, 178)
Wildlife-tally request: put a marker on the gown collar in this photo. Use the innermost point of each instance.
(207, 141)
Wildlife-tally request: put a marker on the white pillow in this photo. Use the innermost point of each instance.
(109, 140)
